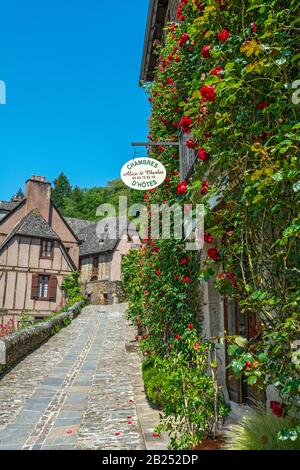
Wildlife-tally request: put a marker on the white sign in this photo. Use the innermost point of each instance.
(143, 173)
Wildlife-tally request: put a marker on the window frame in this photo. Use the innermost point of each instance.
(43, 286)
(46, 241)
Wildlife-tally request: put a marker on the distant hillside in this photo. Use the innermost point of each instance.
(83, 203)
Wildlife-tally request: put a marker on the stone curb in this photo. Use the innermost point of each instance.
(17, 345)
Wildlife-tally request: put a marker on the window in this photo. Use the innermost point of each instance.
(95, 268)
(187, 157)
(96, 265)
(44, 287)
(46, 249)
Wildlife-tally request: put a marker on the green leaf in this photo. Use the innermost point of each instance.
(296, 187)
(232, 349)
(262, 357)
(252, 380)
(257, 198)
(237, 366)
(240, 341)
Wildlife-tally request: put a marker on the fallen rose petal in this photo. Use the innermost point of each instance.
(117, 434)
(155, 434)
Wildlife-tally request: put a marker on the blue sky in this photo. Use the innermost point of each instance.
(71, 69)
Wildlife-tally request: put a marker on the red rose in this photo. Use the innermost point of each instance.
(178, 337)
(184, 39)
(206, 52)
(184, 261)
(190, 327)
(262, 105)
(277, 408)
(208, 93)
(213, 254)
(186, 280)
(254, 28)
(216, 71)
(186, 124)
(203, 155)
(182, 188)
(191, 144)
(158, 273)
(223, 35)
(248, 365)
(196, 346)
(208, 238)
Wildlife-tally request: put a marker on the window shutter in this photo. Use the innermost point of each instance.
(52, 288)
(35, 286)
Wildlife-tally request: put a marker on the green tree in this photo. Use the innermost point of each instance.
(61, 190)
(18, 195)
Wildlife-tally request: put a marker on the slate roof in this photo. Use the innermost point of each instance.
(8, 206)
(77, 224)
(95, 237)
(32, 225)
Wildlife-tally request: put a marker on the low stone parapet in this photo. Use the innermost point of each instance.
(17, 345)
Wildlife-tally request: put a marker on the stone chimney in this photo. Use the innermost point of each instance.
(38, 194)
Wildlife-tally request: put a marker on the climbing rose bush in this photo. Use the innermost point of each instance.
(226, 75)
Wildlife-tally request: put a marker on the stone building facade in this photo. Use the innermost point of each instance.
(216, 314)
(103, 246)
(39, 247)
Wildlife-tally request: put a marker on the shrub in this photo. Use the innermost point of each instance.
(26, 320)
(154, 379)
(71, 288)
(259, 431)
(193, 408)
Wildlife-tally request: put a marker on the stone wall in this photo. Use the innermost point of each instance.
(17, 345)
(210, 309)
(104, 292)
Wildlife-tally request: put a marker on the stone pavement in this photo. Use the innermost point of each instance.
(77, 391)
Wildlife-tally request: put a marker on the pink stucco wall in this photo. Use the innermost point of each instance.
(122, 249)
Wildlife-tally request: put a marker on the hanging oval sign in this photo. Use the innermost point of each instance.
(143, 173)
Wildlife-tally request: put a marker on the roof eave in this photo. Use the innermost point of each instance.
(154, 30)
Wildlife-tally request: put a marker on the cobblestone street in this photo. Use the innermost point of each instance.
(77, 391)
